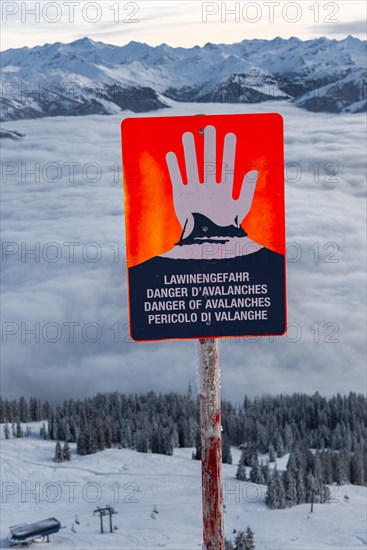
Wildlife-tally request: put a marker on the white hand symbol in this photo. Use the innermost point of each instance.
(213, 200)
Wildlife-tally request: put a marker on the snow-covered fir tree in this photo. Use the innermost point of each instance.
(256, 474)
(272, 457)
(280, 447)
(19, 431)
(6, 431)
(275, 495)
(290, 481)
(66, 451)
(356, 467)
(43, 431)
(241, 473)
(226, 450)
(250, 540)
(59, 457)
(197, 453)
(243, 541)
(265, 470)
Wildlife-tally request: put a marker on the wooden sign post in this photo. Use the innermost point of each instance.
(205, 241)
(211, 444)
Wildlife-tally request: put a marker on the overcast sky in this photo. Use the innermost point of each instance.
(176, 22)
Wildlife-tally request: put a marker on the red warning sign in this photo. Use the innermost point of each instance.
(205, 225)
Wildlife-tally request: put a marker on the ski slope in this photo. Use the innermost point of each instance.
(133, 483)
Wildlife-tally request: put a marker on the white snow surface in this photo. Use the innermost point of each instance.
(132, 483)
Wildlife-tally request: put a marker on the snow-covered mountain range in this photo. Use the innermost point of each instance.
(88, 77)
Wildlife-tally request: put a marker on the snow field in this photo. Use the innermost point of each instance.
(132, 483)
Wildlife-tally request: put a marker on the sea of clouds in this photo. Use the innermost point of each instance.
(77, 300)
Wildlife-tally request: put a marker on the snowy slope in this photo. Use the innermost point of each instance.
(88, 77)
(133, 483)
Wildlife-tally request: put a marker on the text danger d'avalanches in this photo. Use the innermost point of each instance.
(191, 298)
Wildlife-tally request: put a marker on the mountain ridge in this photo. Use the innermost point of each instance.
(89, 77)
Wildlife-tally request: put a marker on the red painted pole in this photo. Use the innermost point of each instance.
(211, 444)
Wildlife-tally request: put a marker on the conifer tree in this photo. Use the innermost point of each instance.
(250, 543)
(141, 441)
(311, 489)
(327, 467)
(290, 489)
(301, 490)
(243, 541)
(275, 495)
(325, 494)
(272, 457)
(156, 440)
(240, 541)
(82, 446)
(197, 454)
(280, 447)
(288, 438)
(58, 453)
(262, 440)
(66, 451)
(256, 475)
(3, 411)
(265, 472)
(92, 440)
(19, 431)
(226, 450)
(67, 431)
(100, 437)
(108, 436)
(166, 442)
(356, 467)
(250, 453)
(23, 410)
(340, 468)
(6, 431)
(241, 469)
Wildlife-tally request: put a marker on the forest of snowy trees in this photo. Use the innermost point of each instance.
(335, 429)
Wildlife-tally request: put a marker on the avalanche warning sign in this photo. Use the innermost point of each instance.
(205, 225)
